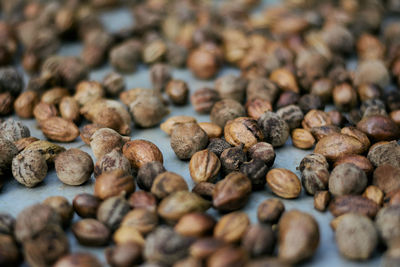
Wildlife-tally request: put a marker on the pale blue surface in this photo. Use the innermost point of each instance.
(14, 197)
